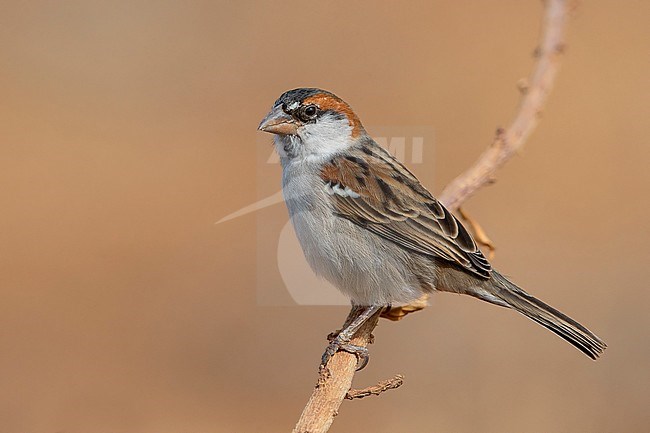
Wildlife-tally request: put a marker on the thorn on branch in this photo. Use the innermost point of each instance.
(523, 86)
(382, 386)
(500, 137)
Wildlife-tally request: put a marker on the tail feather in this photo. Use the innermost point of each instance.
(547, 316)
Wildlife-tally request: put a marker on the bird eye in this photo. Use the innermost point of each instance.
(309, 112)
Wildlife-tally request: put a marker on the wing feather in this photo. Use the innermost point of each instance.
(390, 202)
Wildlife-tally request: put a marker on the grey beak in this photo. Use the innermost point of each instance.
(278, 122)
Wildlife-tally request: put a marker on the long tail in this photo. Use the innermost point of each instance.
(547, 316)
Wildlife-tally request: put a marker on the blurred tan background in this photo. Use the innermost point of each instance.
(128, 128)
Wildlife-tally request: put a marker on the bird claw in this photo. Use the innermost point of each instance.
(332, 335)
(336, 344)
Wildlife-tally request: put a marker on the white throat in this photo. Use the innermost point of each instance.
(315, 142)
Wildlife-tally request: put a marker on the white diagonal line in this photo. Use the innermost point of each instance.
(260, 204)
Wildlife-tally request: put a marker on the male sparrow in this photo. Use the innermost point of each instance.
(367, 225)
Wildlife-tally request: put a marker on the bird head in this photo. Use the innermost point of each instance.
(311, 124)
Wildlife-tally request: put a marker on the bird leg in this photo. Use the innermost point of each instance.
(341, 340)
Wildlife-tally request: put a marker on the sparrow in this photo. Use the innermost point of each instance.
(367, 225)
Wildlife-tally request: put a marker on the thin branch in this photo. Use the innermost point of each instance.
(335, 381)
(382, 386)
(535, 92)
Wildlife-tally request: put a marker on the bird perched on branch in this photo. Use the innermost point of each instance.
(367, 225)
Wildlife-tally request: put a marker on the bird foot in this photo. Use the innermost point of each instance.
(338, 344)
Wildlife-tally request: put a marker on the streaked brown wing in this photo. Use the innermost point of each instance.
(375, 191)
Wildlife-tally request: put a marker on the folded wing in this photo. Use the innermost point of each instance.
(373, 190)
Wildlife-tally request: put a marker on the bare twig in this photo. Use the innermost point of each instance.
(335, 381)
(382, 386)
(535, 91)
